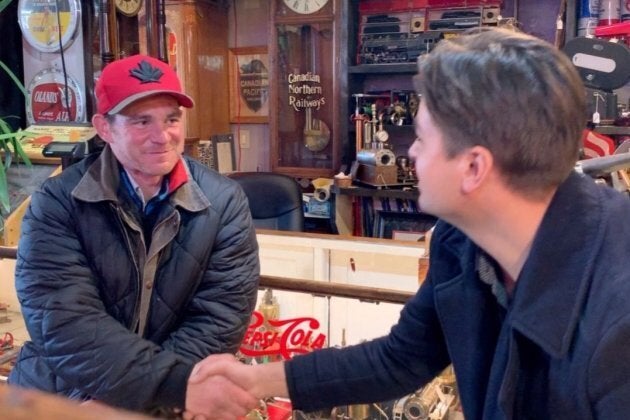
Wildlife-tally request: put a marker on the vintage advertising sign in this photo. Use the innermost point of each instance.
(281, 337)
(249, 84)
(50, 99)
(42, 21)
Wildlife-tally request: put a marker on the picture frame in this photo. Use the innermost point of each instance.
(248, 77)
(223, 156)
(402, 225)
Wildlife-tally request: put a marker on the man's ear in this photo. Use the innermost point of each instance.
(477, 163)
(102, 127)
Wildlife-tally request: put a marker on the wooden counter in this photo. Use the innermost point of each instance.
(22, 404)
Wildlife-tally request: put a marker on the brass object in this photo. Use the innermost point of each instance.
(359, 411)
(269, 308)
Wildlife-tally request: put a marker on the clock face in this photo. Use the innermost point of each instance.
(39, 19)
(129, 7)
(50, 99)
(305, 7)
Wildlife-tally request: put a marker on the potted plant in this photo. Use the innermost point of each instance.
(11, 148)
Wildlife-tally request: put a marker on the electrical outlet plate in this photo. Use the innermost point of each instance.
(244, 140)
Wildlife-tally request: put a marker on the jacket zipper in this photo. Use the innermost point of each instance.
(122, 218)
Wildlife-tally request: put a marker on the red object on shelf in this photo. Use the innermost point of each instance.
(386, 6)
(622, 28)
(618, 30)
(596, 144)
(462, 3)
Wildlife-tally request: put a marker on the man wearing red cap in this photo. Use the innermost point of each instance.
(138, 262)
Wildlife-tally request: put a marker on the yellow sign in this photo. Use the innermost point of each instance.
(38, 136)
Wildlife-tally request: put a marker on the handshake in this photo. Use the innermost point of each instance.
(221, 387)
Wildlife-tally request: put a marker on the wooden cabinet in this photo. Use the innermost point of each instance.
(308, 58)
(197, 39)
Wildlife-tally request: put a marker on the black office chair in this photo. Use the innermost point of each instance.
(275, 200)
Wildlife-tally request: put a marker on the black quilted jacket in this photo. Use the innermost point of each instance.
(80, 266)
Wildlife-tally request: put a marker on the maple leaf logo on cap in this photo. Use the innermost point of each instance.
(146, 73)
(132, 78)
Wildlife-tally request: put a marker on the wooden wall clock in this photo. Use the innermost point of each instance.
(127, 27)
(308, 60)
(128, 7)
(305, 7)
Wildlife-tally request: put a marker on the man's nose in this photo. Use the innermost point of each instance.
(161, 133)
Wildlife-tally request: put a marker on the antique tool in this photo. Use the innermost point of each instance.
(405, 169)
(359, 120)
(373, 127)
(381, 135)
(269, 308)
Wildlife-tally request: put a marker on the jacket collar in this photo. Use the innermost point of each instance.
(101, 180)
(556, 277)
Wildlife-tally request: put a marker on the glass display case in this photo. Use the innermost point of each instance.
(308, 72)
(336, 292)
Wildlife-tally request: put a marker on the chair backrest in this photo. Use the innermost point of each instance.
(275, 200)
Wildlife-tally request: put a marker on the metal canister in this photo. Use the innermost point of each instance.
(609, 12)
(588, 17)
(376, 157)
(588, 8)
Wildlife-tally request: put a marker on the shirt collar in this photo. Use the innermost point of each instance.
(102, 178)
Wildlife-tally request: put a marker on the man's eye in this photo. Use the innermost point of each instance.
(140, 123)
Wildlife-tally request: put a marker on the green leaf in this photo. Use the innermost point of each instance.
(19, 150)
(8, 156)
(5, 204)
(7, 134)
(15, 138)
(4, 128)
(4, 4)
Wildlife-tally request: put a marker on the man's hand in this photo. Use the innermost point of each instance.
(210, 395)
(260, 381)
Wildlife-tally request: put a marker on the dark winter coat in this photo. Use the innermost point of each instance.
(82, 263)
(559, 350)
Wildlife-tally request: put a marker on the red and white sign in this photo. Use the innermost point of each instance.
(284, 338)
(49, 99)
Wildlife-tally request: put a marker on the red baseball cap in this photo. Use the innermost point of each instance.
(129, 79)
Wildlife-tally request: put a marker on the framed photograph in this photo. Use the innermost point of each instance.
(223, 159)
(248, 70)
(403, 226)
